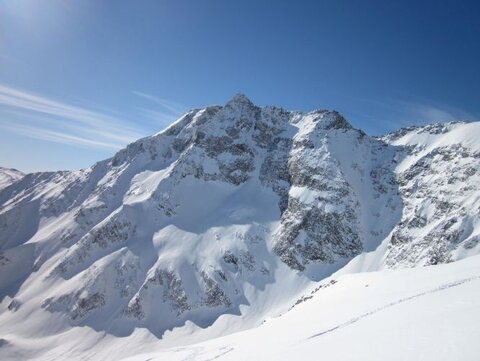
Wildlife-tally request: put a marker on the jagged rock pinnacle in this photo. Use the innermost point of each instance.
(239, 99)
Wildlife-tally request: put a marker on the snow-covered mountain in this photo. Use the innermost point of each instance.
(226, 218)
(9, 176)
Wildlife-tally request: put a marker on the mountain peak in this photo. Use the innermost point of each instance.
(239, 99)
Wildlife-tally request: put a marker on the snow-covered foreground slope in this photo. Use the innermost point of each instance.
(223, 220)
(413, 314)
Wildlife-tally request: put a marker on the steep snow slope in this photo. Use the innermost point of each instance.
(439, 177)
(224, 219)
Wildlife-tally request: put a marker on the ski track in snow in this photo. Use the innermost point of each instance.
(402, 300)
(221, 354)
(197, 350)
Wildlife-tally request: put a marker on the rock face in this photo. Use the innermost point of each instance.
(180, 226)
(439, 183)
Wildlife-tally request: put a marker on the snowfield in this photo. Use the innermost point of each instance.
(242, 232)
(413, 314)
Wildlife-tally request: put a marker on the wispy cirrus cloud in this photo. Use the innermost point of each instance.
(393, 114)
(164, 111)
(56, 136)
(164, 103)
(433, 113)
(39, 117)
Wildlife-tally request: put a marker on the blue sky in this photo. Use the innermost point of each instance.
(80, 79)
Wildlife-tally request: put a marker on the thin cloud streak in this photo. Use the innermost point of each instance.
(43, 122)
(394, 114)
(170, 107)
(56, 137)
(60, 122)
(431, 113)
(159, 116)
